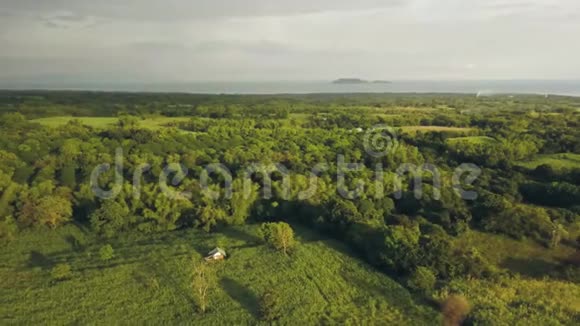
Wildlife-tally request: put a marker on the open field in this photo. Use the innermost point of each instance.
(148, 281)
(520, 300)
(105, 122)
(525, 257)
(95, 122)
(470, 140)
(556, 161)
(453, 130)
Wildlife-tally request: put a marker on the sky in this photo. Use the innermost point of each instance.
(261, 40)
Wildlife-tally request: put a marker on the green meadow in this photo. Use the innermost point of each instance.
(561, 161)
(470, 140)
(450, 130)
(152, 123)
(148, 281)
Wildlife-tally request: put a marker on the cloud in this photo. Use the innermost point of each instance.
(174, 10)
(265, 39)
(66, 19)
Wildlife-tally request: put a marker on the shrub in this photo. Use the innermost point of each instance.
(423, 279)
(61, 272)
(8, 228)
(455, 308)
(106, 252)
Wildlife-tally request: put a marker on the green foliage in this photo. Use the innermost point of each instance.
(557, 162)
(279, 235)
(50, 210)
(203, 282)
(520, 221)
(401, 246)
(68, 176)
(518, 301)
(271, 307)
(323, 283)
(106, 252)
(61, 272)
(110, 218)
(8, 228)
(46, 164)
(423, 280)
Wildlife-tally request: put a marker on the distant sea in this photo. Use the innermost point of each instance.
(483, 87)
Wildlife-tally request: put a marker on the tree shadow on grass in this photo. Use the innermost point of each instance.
(531, 267)
(38, 259)
(395, 294)
(316, 236)
(246, 298)
(241, 235)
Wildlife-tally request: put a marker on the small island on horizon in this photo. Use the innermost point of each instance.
(359, 81)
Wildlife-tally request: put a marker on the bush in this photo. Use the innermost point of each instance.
(455, 308)
(106, 252)
(61, 272)
(8, 228)
(423, 279)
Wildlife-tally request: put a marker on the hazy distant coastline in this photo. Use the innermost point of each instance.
(359, 81)
(541, 87)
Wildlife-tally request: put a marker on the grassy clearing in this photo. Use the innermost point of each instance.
(95, 122)
(520, 301)
(148, 281)
(300, 117)
(153, 123)
(561, 161)
(453, 130)
(529, 298)
(525, 257)
(470, 140)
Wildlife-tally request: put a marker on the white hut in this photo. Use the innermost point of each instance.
(216, 254)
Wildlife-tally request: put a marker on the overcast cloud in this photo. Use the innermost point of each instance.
(196, 40)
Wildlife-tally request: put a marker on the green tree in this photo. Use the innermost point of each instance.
(401, 247)
(53, 211)
(110, 218)
(423, 279)
(279, 235)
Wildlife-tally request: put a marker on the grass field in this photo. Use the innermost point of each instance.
(528, 298)
(520, 301)
(453, 130)
(525, 257)
(556, 161)
(106, 122)
(470, 140)
(148, 281)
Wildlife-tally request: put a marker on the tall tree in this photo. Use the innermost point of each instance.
(279, 235)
